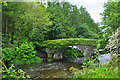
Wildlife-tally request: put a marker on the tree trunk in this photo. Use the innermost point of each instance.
(3, 28)
(12, 32)
(6, 25)
(28, 35)
(8, 35)
(12, 37)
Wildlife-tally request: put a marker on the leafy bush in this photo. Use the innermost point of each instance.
(49, 58)
(72, 53)
(101, 43)
(38, 59)
(11, 73)
(94, 70)
(26, 54)
(49, 55)
(8, 55)
(25, 51)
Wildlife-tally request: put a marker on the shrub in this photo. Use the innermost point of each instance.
(11, 73)
(49, 58)
(25, 51)
(72, 53)
(94, 70)
(101, 43)
(38, 60)
(8, 55)
(26, 54)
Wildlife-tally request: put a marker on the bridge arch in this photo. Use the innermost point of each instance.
(81, 48)
(59, 46)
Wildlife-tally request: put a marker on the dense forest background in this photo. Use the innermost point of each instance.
(33, 22)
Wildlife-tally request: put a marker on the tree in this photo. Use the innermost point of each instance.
(111, 19)
(20, 24)
(9, 16)
(61, 27)
(69, 21)
(85, 26)
(35, 19)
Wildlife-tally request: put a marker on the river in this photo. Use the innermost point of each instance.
(55, 69)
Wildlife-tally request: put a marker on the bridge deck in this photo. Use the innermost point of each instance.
(70, 42)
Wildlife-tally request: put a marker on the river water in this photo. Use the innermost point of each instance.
(55, 69)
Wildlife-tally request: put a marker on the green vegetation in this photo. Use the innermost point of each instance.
(110, 21)
(56, 45)
(11, 73)
(70, 41)
(72, 53)
(49, 58)
(30, 26)
(8, 54)
(91, 68)
(24, 54)
(94, 70)
(70, 21)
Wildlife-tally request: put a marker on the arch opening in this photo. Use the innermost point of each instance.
(72, 53)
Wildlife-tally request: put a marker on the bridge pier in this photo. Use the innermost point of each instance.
(57, 55)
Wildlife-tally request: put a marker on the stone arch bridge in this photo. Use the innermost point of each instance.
(59, 46)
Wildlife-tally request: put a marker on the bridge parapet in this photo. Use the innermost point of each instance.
(69, 42)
